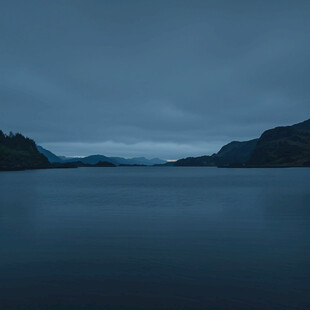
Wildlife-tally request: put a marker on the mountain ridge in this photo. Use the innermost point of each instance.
(94, 159)
(282, 146)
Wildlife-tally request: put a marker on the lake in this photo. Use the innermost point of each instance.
(155, 238)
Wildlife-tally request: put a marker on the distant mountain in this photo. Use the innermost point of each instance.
(287, 146)
(91, 160)
(148, 162)
(94, 159)
(63, 158)
(19, 153)
(52, 158)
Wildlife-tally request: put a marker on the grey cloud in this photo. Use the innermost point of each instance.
(177, 77)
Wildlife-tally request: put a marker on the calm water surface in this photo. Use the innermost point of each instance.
(155, 238)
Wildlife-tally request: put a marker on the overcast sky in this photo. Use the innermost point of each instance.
(152, 78)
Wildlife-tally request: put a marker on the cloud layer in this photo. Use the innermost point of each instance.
(155, 78)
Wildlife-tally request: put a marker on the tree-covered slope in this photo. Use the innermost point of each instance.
(19, 153)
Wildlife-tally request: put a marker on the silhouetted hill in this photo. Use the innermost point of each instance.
(287, 146)
(208, 161)
(233, 153)
(20, 153)
(52, 158)
(303, 126)
(92, 159)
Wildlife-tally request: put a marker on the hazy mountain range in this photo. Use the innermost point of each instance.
(94, 159)
(286, 146)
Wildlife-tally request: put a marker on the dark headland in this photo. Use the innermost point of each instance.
(287, 146)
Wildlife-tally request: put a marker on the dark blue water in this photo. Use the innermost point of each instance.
(155, 238)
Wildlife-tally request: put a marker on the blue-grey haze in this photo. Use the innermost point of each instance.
(155, 238)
